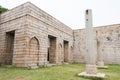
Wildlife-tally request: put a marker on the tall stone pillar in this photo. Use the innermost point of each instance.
(90, 45)
(91, 50)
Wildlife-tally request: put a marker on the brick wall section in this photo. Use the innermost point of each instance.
(107, 39)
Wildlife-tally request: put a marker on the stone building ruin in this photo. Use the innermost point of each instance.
(29, 35)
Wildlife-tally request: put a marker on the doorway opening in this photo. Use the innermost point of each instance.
(51, 55)
(9, 47)
(66, 51)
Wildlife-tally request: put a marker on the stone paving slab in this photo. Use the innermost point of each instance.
(98, 75)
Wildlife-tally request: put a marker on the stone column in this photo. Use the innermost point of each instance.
(90, 45)
(91, 50)
(100, 55)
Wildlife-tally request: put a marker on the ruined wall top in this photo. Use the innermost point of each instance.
(101, 27)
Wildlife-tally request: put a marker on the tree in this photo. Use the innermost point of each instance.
(2, 9)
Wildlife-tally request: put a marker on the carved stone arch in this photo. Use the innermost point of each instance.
(34, 36)
(34, 51)
(60, 53)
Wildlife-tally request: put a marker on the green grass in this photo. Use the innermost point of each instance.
(62, 72)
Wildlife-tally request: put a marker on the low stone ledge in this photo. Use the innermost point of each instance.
(102, 67)
(33, 66)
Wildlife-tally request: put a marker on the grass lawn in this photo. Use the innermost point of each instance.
(62, 72)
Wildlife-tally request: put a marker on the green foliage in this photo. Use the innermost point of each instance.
(2, 9)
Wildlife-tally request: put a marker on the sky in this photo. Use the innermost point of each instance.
(72, 12)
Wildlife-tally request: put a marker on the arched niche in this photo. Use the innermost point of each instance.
(33, 51)
(71, 53)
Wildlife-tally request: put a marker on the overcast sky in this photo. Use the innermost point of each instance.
(71, 12)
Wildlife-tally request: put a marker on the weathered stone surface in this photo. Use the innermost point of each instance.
(91, 69)
(27, 21)
(98, 75)
(90, 45)
(32, 66)
(109, 41)
(30, 28)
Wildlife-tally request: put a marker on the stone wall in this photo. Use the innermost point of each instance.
(32, 29)
(13, 22)
(28, 35)
(45, 27)
(107, 42)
